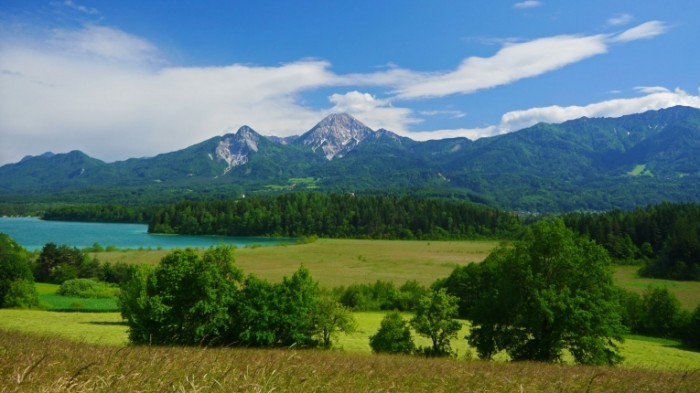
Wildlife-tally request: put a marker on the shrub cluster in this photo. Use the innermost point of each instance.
(87, 288)
(16, 279)
(657, 312)
(193, 300)
(382, 295)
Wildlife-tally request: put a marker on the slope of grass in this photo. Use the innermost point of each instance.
(95, 328)
(108, 329)
(31, 363)
(687, 292)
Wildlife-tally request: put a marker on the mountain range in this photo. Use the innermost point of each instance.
(582, 164)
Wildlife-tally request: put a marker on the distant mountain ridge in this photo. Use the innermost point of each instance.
(587, 163)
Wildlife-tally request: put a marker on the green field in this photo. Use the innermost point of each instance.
(109, 329)
(335, 262)
(32, 363)
(343, 262)
(51, 301)
(687, 292)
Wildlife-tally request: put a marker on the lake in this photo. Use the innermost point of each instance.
(33, 234)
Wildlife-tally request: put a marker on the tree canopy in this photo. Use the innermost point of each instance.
(550, 292)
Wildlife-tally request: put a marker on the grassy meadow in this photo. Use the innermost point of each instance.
(335, 262)
(31, 363)
(89, 351)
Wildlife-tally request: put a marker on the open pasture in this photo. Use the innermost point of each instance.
(109, 329)
(335, 262)
(32, 363)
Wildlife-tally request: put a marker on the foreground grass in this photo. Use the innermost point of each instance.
(31, 364)
(108, 329)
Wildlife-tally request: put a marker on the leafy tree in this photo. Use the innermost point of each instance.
(21, 294)
(552, 291)
(186, 300)
(691, 332)
(434, 319)
(298, 301)
(57, 264)
(16, 278)
(393, 336)
(330, 318)
(661, 312)
(257, 317)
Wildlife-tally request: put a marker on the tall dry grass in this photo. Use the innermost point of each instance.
(38, 364)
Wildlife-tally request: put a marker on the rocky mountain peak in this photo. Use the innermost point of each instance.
(335, 135)
(235, 149)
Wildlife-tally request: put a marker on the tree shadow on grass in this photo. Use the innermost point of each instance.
(106, 323)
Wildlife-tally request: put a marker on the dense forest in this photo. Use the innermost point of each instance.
(99, 213)
(665, 238)
(336, 216)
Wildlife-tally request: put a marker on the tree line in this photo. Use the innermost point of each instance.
(336, 216)
(99, 213)
(664, 238)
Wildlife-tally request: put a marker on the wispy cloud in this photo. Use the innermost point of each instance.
(620, 20)
(98, 89)
(528, 4)
(511, 63)
(80, 8)
(653, 99)
(646, 30)
(77, 91)
(453, 114)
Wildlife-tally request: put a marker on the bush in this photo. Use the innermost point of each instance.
(691, 331)
(16, 279)
(661, 313)
(21, 294)
(87, 288)
(393, 336)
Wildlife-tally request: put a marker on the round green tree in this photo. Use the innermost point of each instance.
(16, 278)
(435, 319)
(393, 336)
(549, 292)
(186, 300)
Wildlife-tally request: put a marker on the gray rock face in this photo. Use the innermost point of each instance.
(336, 135)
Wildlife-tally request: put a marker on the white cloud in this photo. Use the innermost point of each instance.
(528, 4)
(111, 105)
(646, 30)
(655, 98)
(511, 63)
(106, 43)
(453, 114)
(113, 95)
(620, 20)
(373, 112)
(80, 8)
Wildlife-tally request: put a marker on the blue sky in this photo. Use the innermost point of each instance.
(120, 79)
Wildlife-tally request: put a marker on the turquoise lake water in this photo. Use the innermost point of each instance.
(33, 234)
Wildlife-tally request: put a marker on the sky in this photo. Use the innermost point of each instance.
(133, 78)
